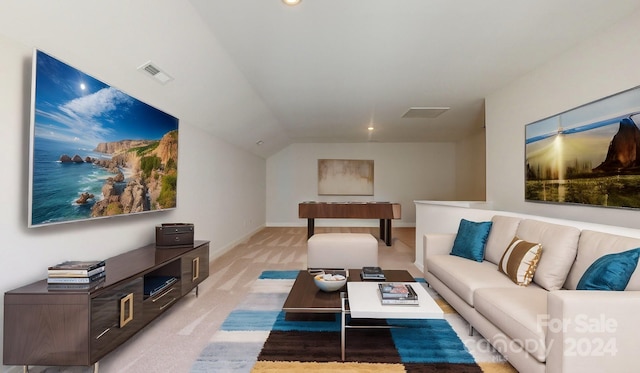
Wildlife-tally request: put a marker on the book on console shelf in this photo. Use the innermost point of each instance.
(75, 280)
(157, 284)
(76, 268)
(77, 287)
(75, 272)
(372, 273)
(397, 293)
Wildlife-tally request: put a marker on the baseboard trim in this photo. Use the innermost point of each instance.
(215, 253)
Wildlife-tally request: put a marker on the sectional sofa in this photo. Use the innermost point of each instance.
(546, 325)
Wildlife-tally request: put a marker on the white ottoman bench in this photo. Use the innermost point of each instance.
(342, 250)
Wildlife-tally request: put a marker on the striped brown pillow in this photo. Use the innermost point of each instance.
(520, 260)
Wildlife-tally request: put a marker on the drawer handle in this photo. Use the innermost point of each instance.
(162, 295)
(107, 330)
(195, 267)
(103, 333)
(126, 310)
(167, 304)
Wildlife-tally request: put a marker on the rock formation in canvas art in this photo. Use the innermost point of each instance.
(624, 149)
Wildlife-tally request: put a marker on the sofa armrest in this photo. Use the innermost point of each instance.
(592, 331)
(436, 244)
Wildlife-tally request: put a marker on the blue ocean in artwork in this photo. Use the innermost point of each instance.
(58, 185)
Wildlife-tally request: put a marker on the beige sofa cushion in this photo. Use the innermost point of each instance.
(503, 229)
(559, 247)
(464, 276)
(516, 313)
(592, 246)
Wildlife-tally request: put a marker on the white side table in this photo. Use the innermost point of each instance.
(362, 301)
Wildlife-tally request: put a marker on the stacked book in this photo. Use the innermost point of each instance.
(372, 273)
(397, 293)
(76, 275)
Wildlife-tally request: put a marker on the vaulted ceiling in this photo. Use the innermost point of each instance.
(252, 71)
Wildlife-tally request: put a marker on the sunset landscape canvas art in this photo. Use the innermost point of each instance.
(95, 151)
(589, 155)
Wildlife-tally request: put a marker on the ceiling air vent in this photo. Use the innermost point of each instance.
(155, 72)
(425, 112)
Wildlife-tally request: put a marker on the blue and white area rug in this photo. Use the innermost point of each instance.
(255, 337)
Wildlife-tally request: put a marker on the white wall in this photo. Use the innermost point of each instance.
(470, 168)
(602, 66)
(221, 189)
(402, 173)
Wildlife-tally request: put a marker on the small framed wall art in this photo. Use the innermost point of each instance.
(345, 177)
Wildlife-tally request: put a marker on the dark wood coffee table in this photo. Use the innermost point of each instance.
(305, 297)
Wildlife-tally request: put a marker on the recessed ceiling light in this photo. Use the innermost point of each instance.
(370, 128)
(291, 2)
(259, 142)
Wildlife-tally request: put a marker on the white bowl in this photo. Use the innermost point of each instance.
(330, 283)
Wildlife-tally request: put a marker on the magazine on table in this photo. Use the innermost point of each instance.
(372, 273)
(397, 293)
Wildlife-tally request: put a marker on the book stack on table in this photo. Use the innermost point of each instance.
(76, 275)
(372, 273)
(397, 293)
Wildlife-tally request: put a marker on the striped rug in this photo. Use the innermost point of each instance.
(255, 337)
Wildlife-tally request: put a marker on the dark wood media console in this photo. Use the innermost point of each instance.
(61, 328)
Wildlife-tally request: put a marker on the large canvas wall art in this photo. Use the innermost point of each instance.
(589, 155)
(347, 177)
(95, 151)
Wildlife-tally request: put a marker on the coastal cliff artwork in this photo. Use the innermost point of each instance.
(345, 177)
(95, 151)
(589, 155)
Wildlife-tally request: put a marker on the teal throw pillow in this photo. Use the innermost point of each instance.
(471, 239)
(610, 272)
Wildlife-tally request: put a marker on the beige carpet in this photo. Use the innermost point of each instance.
(173, 342)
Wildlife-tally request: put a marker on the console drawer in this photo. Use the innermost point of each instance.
(195, 268)
(116, 315)
(155, 305)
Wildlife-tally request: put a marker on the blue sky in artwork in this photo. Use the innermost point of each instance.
(601, 113)
(71, 106)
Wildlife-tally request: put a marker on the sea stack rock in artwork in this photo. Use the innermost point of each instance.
(66, 159)
(84, 197)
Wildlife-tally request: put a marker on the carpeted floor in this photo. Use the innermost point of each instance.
(255, 337)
